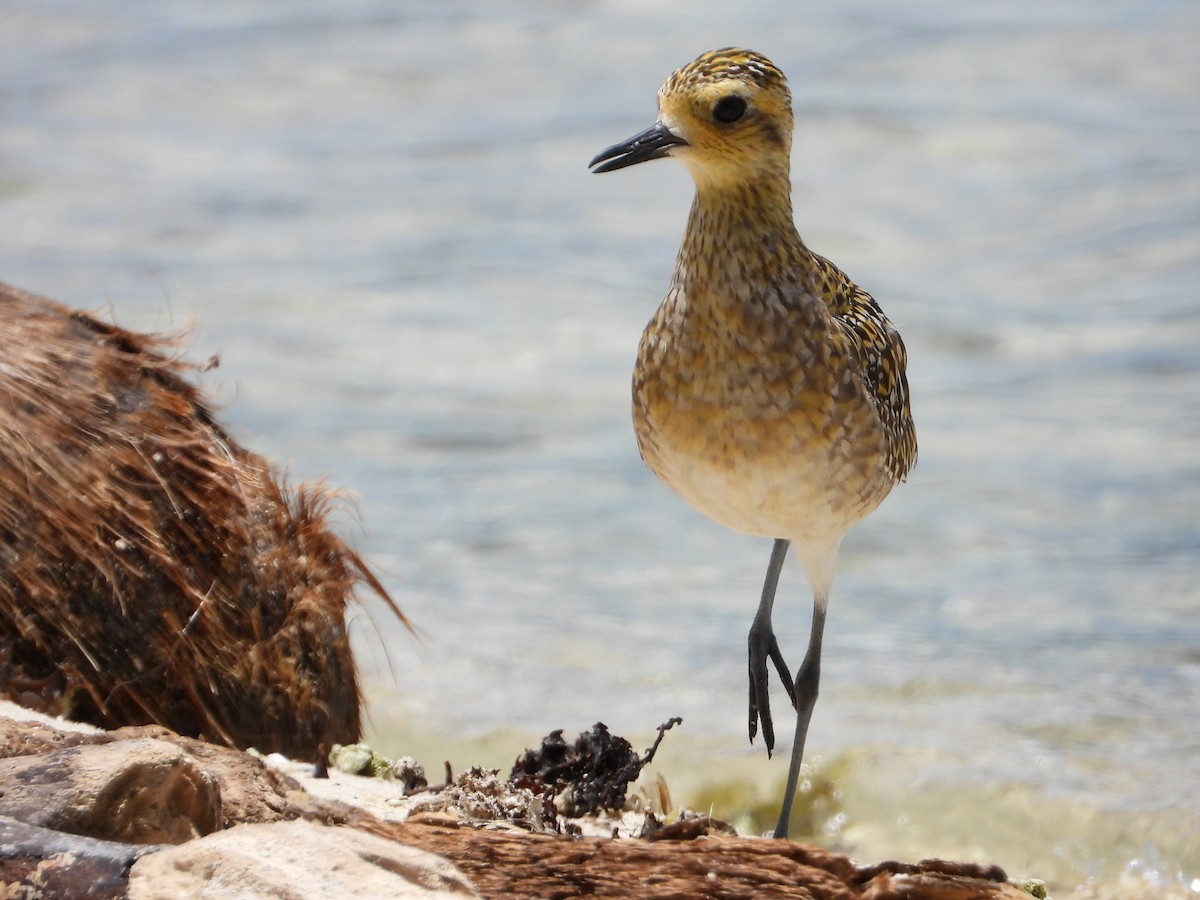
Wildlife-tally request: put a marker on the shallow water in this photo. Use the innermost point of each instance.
(379, 215)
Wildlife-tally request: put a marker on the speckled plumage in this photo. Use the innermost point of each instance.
(765, 363)
(770, 390)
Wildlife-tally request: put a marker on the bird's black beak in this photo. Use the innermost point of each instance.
(653, 143)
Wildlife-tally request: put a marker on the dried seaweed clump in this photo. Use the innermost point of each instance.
(152, 570)
(587, 777)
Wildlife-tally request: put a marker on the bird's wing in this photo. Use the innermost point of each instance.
(882, 360)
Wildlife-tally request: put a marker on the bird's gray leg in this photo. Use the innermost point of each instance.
(807, 681)
(763, 646)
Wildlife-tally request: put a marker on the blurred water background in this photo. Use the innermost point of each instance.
(379, 215)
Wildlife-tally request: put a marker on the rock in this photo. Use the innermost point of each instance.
(249, 791)
(24, 732)
(135, 792)
(38, 862)
(297, 860)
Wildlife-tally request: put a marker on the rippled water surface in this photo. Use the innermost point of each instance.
(379, 215)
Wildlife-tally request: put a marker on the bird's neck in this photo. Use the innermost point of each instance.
(741, 241)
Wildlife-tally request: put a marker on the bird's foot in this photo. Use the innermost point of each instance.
(764, 646)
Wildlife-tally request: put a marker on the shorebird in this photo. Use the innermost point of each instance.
(770, 390)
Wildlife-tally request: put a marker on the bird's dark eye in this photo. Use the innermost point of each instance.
(729, 109)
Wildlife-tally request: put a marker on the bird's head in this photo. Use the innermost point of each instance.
(727, 116)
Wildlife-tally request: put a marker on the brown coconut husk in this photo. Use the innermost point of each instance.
(151, 569)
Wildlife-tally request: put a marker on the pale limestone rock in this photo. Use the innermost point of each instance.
(298, 860)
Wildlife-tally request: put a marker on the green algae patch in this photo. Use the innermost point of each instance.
(359, 759)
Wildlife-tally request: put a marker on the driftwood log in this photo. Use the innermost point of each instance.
(151, 569)
(512, 864)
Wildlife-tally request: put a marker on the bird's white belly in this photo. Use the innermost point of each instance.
(806, 498)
